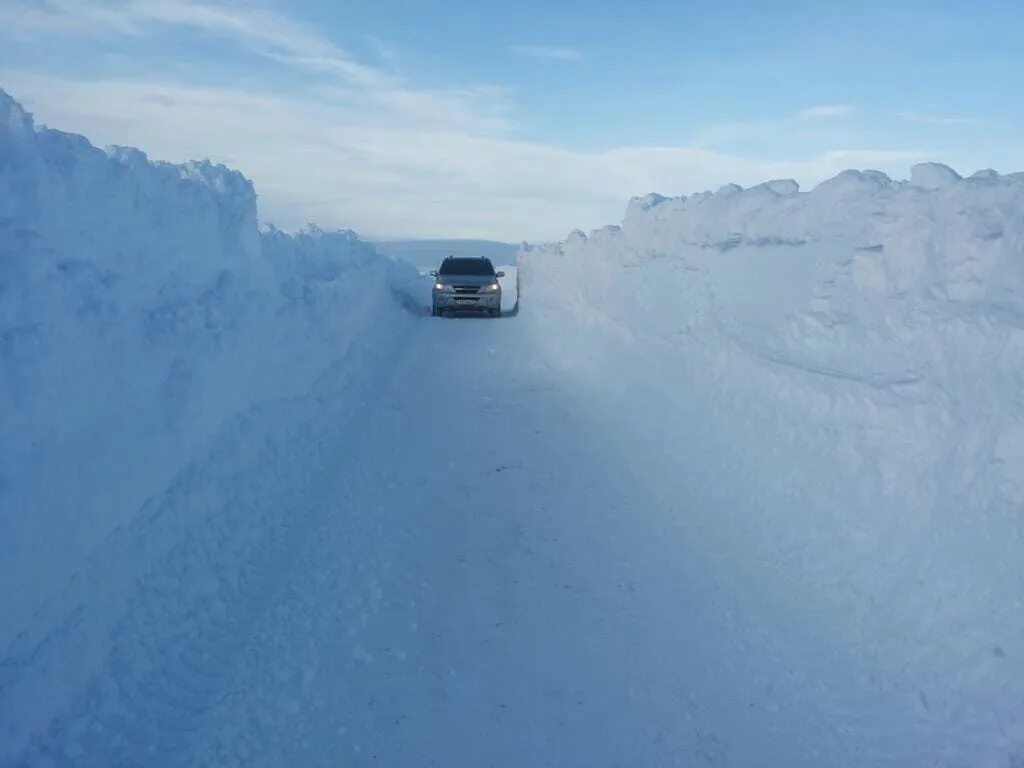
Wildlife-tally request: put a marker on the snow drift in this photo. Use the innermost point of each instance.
(839, 375)
(742, 481)
(141, 310)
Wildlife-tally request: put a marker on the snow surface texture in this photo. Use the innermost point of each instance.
(739, 485)
(839, 376)
(142, 313)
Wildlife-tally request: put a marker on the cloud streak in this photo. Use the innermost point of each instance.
(346, 144)
(273, 36)
(265, 32)
(813, 121)
(825, 111)
(332, 163)
(551, 52)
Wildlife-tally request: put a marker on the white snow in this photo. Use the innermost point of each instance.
(740, 484)
(141, 314)
(837, 375)
(934, 176)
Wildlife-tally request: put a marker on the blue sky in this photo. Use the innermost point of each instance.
(521, 120)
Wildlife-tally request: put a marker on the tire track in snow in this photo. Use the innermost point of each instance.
(481, 618)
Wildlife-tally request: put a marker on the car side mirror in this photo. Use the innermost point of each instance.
(433, 273)
(499, 274)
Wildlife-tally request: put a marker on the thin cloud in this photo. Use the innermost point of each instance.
(386, 51)
(825, 111)
(552, 52)
(813, 119)
(274, 36)
(389, 171)
(918, 117)
(348, 144)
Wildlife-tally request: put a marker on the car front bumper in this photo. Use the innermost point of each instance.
(479, 302)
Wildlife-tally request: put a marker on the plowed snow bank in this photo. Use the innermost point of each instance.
(840, 372)
(140, 310)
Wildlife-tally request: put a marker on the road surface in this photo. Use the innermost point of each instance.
(464, 558)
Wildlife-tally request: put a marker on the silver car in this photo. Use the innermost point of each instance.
(466, 285)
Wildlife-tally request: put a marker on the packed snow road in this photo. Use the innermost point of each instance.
(463, 560)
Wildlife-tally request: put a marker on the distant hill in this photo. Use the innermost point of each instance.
(429, 253)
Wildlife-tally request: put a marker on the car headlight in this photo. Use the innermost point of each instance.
(440, 286)
(491, 287)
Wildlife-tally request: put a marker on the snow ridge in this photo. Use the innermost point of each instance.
(856, 354)
(142, 313)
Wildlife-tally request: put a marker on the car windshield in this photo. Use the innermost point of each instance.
(467, 267)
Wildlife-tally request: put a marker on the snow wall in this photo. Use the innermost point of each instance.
(835, 376)
(840, 373)
(141, 311)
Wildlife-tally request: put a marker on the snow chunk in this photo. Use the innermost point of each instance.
(129, 156)
(854, 181)
(933, 176)
(13, 118)
(605, 233)
(647, 201)
(986, 174)
(781, 187)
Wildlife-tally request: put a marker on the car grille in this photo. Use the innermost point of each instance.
(467, 289)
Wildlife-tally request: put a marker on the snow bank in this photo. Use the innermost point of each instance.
(839, 376)
(141, 309)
